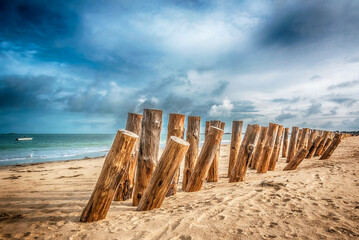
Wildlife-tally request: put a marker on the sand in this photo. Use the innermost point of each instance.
(319, 200)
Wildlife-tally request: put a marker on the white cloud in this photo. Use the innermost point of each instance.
(222, 110)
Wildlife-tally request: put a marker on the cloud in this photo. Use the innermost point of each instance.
(283, 116)
(315, 108)
(315, 77)
(223, 109)
(344, 101)
(345, 84)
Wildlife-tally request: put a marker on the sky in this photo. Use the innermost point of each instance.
(81, 66)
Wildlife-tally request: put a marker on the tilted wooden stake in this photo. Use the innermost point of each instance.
(112, 171)
(297, 159)
(336, 140)
(268, 148)
(213, 170)
(303, 141)
(319, 150)
(311, 139)
(235, 144)
(162, 177)
(259, 148)
(276, 149)
(292, 143)
(285, 142)
(148, 154)
(314, 147)
(205, 159)
(327, 143)
(245, 153)
(192, 137)
(175, 128)
(125, 188)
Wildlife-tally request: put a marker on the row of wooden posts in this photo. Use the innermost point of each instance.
(132, 168)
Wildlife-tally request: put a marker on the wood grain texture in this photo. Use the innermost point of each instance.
(336, 141)
(236, 139)
(285, 142)
(314, 146)
(292, 144)
(268, 148)
(276, 149)
(297, 159)
(259, 148)
(213, 170)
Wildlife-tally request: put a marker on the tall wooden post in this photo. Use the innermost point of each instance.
(205, 159)
(163, 175)
(276, 149)
(303, 141)
(236, 139)
(297, 159)
(245, 153)
(314, 146)
(268, 148)
(319, 150)
(285, 142)
(192, 137)
(299, 137)
(259, 148)
(148, 153)
(112, 171)
(336, 140)
(311, 139)
(213, 170)
(175, 128)
(125, 187)
(292, 143)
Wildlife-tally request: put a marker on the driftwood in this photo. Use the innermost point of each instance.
(276, 149)
(245, 153)
(336, 140)
(213, 170)
(125, 188)
(205, 159)
(148, 153)
(297, 159)
(235, 144)
(162, 177)
(268, 148)
(192, 137)
(314, 147)
(259, 148)
(285, 142)
(175, 128)
(112, 171)
(320, 148)
(292, 143)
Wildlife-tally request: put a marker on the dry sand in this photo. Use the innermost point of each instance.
(319, 200)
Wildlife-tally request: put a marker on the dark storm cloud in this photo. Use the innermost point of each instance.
(345, 84)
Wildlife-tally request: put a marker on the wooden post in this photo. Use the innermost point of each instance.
(213, 170)
(268, 148)
(303, 141)
(276, 149)
(319, 150)
(292, 143)
(236, 139)
(208, 124)
(259, 148)
(285, 142)
(314, 146)
(163, 175)
(175, 128)
(297, 159)
(192, 137)
(336, 140)
(299, 137)
(148, 153)
(125, 187)
(311, 139)
(327, 143)
(112, 171)
(245, 153)
(205, 159)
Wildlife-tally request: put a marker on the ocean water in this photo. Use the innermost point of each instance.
(57, 147)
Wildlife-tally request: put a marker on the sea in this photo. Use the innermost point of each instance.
(58, 147)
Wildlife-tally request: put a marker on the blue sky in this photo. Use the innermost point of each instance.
(80, 66)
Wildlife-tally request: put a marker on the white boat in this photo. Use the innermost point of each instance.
(24, 139)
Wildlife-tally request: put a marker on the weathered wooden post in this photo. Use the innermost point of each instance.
(125, 187)
(327, 143)
(175, 128)
(236, 139)
(205, 159)
(268, 148)
(285, 142)
(276, 149)
(336, 140)
(148, 153)
(299, 137)
(208, 124)
(213, 170)
(259, 148)
(112, 171)
(192, 137)
(311, 139)
(297, 159)
(319, 150)
(314, 146)
(245, 153)
(292, 143)
(303, 141)
(163, 175)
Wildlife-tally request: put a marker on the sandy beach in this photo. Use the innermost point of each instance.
(319, 200)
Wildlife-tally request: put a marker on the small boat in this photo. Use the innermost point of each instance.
(24, 139)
